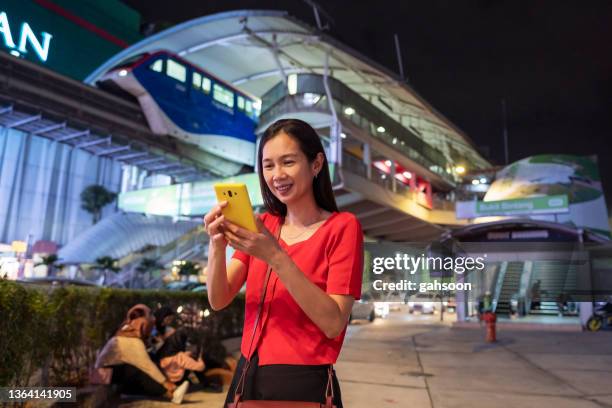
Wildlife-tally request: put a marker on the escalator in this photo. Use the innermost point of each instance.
(511, 285)
(556, 277)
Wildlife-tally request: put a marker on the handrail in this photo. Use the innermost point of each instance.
(358, 167)
(503, 267)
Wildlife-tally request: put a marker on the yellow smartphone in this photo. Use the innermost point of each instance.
(239, 209)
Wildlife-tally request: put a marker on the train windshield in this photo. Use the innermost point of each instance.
(129, 61)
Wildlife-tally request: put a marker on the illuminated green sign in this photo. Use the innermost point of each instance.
(26, 37)
(553, 204)
(533, 205)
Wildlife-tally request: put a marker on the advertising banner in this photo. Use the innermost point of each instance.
(559, 188)
(188, 199)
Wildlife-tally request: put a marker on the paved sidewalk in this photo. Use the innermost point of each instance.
(417, 362)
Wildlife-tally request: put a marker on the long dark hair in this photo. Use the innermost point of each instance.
(310, 144)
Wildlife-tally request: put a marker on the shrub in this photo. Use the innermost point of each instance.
(61, 329)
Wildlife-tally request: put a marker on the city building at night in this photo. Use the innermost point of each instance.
(161, 120)
(198, 199)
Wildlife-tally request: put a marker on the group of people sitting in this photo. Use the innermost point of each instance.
(148, 356)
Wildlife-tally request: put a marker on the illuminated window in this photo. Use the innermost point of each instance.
(223, 95)
(240, 103)
(206, 84)
(157, 66)
(292, 84)
(197, 80)
(176, 70)
(249, 106)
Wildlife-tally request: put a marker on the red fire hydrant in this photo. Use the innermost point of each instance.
(490, 318)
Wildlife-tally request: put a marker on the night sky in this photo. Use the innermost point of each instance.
(550, 60)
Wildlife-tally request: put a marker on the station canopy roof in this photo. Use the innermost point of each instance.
(253, 49)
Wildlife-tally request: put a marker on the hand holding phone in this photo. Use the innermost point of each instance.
(213, 224)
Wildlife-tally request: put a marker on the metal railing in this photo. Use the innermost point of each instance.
(356, 166)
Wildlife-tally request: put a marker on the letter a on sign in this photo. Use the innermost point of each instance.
(5, 30)
(27, 35)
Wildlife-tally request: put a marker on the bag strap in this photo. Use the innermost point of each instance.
(329, 388)
(240, 386)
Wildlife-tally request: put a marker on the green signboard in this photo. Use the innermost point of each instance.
(553, 204)
(533, 205)
(72, 37)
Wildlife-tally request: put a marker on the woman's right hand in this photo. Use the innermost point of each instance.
(213, 223)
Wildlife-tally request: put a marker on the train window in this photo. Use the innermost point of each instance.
(206, 84)
(197, 80)
(249, 106)
(157, 66)
(223, 95)
(240, 103)
(176, 70)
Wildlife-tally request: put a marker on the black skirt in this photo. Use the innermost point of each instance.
(284, 382)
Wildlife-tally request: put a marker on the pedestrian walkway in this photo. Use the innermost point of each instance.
(418, 362)
(396, 363)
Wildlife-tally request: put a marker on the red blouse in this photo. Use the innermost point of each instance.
(332, 258)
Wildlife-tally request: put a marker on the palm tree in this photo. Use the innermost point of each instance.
(94, 198)
(50, 261)
(187, 268)
(106, 264)
(147, 266)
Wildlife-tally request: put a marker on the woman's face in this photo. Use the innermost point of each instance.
(286, 169)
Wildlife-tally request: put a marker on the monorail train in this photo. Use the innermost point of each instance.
(186, 102)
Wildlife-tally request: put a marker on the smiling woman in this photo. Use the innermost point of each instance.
(300, 284)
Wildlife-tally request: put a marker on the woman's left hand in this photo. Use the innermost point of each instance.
(260, 244)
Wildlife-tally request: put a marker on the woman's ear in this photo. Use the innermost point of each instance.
(317, 164)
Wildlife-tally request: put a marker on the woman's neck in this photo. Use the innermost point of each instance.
(304, 214)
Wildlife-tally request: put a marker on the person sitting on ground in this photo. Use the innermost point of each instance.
(220, 367)
(165, 318)
(124, 360)
(177, 357)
